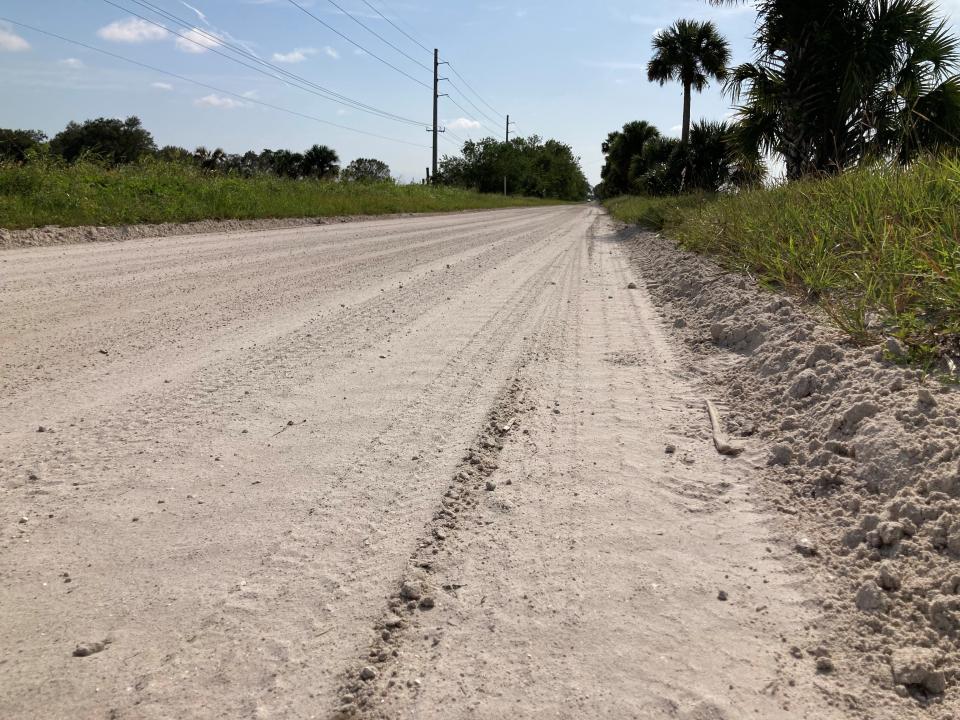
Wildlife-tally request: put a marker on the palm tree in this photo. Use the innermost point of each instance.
(689, 52)
(838, 82)
(320, 161)
(621, 149)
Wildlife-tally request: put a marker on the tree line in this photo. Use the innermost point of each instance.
(834, 84)
(122, 142)
(523, 166)
(531, 166)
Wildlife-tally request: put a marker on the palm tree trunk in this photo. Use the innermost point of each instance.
(686, 113)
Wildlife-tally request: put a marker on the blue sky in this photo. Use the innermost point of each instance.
(566, 69)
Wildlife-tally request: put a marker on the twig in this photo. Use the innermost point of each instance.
(720, 439)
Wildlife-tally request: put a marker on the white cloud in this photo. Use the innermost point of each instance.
(203, 18)
(297, 55)
(72, 63)
(10, 41)
(161, 86)
(196, 41)
(132, 30)
(331, 52)
(464, 124)
(218, 101)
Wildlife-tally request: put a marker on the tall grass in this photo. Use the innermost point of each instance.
(50, 193)
(878, 247)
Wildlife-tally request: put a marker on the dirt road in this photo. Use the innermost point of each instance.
(251, 440)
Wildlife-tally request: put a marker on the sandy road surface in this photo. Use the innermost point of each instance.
(248, 440)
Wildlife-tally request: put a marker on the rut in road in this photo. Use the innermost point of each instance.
(251, 444)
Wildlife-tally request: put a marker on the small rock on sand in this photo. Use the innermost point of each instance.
(410, 591)
(869, 597)
(368, 673)
(722, 596)
(91, 648)
(917, 667)
(806, 547)
(491, 486)
(632, 286)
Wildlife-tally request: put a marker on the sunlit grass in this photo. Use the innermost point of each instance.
(877, 248)
(50, 193)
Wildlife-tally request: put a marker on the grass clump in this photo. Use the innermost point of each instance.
(878, 248)
(48, 192)
(655, 213)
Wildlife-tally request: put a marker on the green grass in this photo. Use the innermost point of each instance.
(877, 248)
(50, 193)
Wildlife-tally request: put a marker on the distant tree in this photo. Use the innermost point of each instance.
(691, 53)
(366, 170)
(320, 161)
(530, 167)
(173, 153)
(625, 160)
(114, 141)
(209, 160)
(16, 145)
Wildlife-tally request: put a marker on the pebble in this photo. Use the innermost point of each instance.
(491, 486)
(410, 591)
(670, 449)
(632, 286)
(806, 547)
(23, 520)
(85, 649)
(825, 665)
(722, 596)
(368, 673)
(427, 603)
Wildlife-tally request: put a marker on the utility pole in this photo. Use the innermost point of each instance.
(436, 108)
(508, 127)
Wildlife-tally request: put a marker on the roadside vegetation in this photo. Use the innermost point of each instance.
(859, 102)
(155, 191)
(109, 171)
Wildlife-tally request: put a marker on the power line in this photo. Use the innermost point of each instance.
(213, 42)
(398, 28)
(358, 45)
(499, 115)
(467, 112)
(206, 85)
(464, 81)
(495, 121)
(378, 35)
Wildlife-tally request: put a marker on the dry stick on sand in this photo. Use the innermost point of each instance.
(720, 439)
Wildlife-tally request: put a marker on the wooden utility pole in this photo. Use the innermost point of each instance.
(436, 107)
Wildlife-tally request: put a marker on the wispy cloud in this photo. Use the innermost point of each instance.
(331, 52)
(196, 41)
(10, 41)
(132, 30)
(162, 86)
(198, 13)
(294, 56)
(218, 101)
(72, 63)
(464, 124)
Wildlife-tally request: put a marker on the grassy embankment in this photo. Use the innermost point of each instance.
(878, 249)
(48, 193)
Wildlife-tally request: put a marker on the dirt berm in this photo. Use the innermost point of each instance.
(863, 466)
